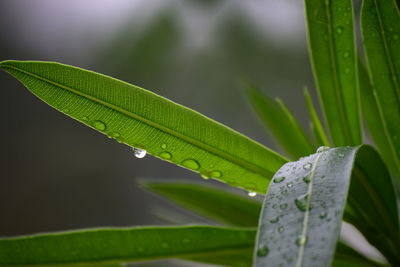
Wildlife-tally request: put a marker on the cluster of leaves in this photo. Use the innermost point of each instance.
(307, 199)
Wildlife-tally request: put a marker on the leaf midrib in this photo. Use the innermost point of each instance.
(238, 161)
(299, 261)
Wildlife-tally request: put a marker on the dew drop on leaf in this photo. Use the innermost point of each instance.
(115, 135)
(164, 146)
(84, 118)
(301, 240)
(139, 153)
(301, 202)
(281, 229)
(339, 30)
(99, 125)
(290, 184)
(274, 220)
(191, 164)
(323, 215)
(283, 206)
(279, 179)
(307, 179)
(307, 166)
(262, 251)
(165, 155)
(215, 174)
(252, 194)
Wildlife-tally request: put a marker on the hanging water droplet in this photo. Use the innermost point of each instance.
(139, 153)
(99, 125)
(322, 149)
(290, 184)
(307, 166)
(165, 155)
(279, 179)
(252, 194)
(307, 179)
(274, 220)
(339, 30)
(323, 215)
(301, 240)
(301, 202)
(281, 229)
(191, 164)
(164, 146)
(262, 251)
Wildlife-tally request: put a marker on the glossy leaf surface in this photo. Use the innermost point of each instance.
(123, 245)
(333, 57)
(380, 21)
(210, 202)
(281, 123)
(144, 120)
(302, 213)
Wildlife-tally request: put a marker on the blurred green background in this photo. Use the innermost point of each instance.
(56, 174)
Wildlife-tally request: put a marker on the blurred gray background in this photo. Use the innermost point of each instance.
(56, 174)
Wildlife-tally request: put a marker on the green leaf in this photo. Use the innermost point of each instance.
(346, 256)
(318, 129)
(376, 122)
(145, 120)
(333, 57)
(118, 245)
(281, 123)
(380, 21)
(210, 202)
(302, 213)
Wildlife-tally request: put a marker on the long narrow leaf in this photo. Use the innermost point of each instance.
(123, 245)
(319, 132)
(375, 122)
(281, 123)
(145, 120)
(210, 202)
(332, 49)
(380, 21)
(303, 209)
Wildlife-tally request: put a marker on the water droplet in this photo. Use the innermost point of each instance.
(191, 164)
(139, 153)
(307, 166)
(339, 30)
(274, 220)
(115, 135)
(323, 215)
(301, 240)
(99, 125)
(283, 206)
(396, 37)
(164, 146)
(340, 155)
(252, 194)
(274, 206)
(165, 155)
(262, 251)
(322, 149)
(205, 175)
(279, 179)
(307, 179)
(346, 54)
(301, 202)
(290, 184)
(215, 174)
(84, 118)
(281, 229)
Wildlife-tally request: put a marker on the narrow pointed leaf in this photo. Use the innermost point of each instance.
(145, 120)
(115, 245)
(380, 21)
(222, 206)
(333, 57)
(318, 129)
(281, 123)
(376, 122)
(302, 214)
(346, 256)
